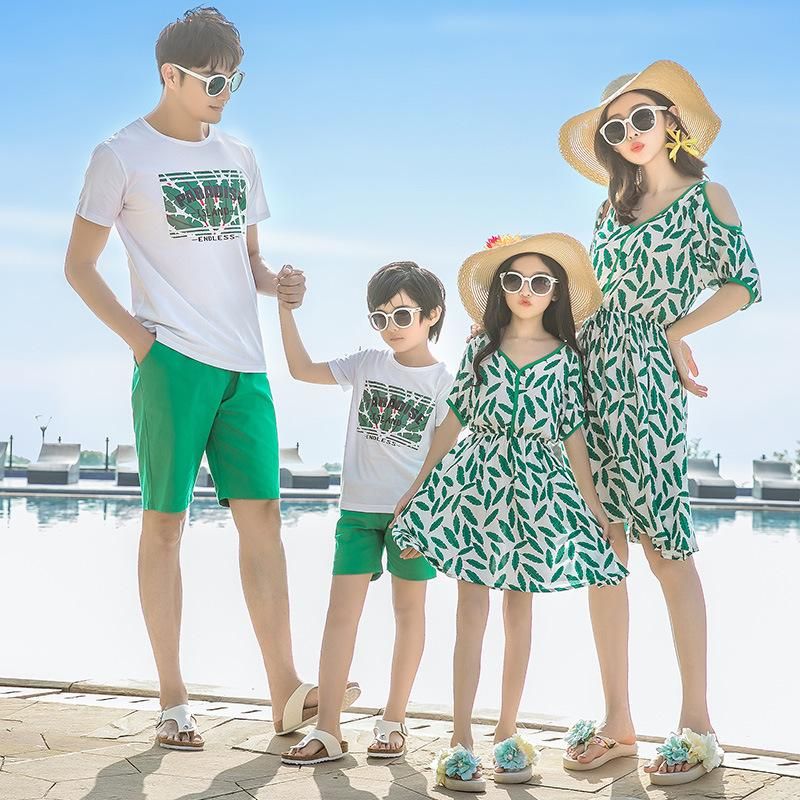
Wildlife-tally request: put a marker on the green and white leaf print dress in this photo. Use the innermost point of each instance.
(651, 274)
(501, 509)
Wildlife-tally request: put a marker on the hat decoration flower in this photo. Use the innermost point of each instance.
(502, 240)
(681, 141)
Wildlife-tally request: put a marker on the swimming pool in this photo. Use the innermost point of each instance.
(68, 591)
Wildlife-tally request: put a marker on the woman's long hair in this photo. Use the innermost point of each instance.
(624, 193)
(557, 318)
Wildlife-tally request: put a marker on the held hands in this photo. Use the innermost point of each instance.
(685, 365)
(290, 287)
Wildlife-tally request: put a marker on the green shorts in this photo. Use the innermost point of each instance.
(360, 541)
(183, 408)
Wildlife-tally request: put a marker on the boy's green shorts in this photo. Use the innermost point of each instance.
(361, 538)
(183, 408)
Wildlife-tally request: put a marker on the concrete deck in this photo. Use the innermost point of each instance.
(66, 745)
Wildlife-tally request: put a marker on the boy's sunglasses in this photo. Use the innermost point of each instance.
(641, 119)
(402, 317)
(215, 84)
(540, 284)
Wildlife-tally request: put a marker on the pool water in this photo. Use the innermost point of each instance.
(68, 591)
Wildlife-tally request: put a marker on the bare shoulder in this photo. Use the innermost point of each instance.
(721, 204)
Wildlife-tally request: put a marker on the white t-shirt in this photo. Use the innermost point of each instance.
(182, 211)
(393, 415)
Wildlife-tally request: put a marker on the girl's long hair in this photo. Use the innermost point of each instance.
(624, 193)
(557, 319)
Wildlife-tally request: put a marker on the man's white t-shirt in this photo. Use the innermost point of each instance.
(182, 211)
(393, 415)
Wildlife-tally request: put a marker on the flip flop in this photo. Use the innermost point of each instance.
(382, 731)
(514, 759)
(455, 761)
(332, 749)
(584, 732)
(182, 717)
(296, 715)
(702, 751)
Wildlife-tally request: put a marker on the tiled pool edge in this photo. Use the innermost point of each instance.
(219, 694)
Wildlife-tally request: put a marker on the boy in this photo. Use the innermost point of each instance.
(186, 200)
(399, 397)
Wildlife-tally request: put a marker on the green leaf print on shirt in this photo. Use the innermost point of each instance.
(394, 415)
(205, 204)
(652, 274)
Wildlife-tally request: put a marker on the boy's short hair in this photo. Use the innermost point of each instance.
(203, 37)
(420, 284)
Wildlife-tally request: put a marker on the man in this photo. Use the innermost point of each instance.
(186, 200)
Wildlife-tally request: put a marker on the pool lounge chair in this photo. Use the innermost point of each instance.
(772, 480)
(3, 457)
(57, 464)
(204, 479)
(296, 475)
(127, 465)
(706, 482)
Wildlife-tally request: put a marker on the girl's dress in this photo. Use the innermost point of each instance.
(502, 508)
(651, 274)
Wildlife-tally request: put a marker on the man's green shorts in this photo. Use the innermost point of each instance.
(183, 408)
(361, 538)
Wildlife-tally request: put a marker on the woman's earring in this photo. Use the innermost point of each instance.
(638, 178)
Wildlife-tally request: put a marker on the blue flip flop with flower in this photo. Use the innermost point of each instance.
(583, 734)
(700, 750)
(457, 769)
(514, 759)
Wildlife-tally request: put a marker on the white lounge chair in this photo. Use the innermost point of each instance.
(706, 482)
(204, 479)
(3, 456)
(772, 480)
(57, 464)
(296, 475)
(127, 465)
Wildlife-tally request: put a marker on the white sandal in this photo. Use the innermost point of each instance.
(457, 770)
(514, 760)
(382, 731)
(584, 733)
(332, 749)
(296, 715)
(186, 723)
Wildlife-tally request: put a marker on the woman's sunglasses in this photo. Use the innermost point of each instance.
(540, 284)
(641, 119)
(215, 84)
(402, 317)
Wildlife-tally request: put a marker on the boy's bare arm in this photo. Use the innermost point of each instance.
(86, 243)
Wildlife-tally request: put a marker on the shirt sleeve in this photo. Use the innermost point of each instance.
(573, 409)
(257, 208)
(729, 258)
(347, 368)
(461, 397)
(103, 193)
(442, 406)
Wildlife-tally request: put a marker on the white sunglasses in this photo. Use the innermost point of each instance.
(215, 84)
(641, 119)
(540, 284)
(402, 317)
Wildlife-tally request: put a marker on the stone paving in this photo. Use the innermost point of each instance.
(61, 748)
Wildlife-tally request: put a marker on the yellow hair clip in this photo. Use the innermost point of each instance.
(681, 142)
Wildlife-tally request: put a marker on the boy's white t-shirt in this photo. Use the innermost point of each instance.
(182, 211)
(393, 415)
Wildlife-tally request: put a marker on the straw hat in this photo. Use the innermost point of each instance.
(477, 272)
(576, 137)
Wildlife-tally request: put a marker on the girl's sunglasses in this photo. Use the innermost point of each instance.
(402, 317)
(215, 84)
(540, 284)
(641, 119)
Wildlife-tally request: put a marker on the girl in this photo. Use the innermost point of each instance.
(663, 236)
(503, 511)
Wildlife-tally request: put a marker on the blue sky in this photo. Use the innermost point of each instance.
(387, 132)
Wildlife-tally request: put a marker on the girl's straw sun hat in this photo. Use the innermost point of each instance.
(477, 272)
(577, 135)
